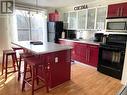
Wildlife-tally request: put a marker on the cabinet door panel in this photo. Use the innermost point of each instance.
(117, 10)
(113, 10)
(60, 68)
(65, 20)
(124, 10)
(93, 55)
(80, 52)
(73, 20)
(91, 18)
(82, 19)
(101, 18)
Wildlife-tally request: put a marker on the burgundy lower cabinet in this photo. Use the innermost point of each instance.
(80, 52)
(93, 55)
(83, 52)
(86, 53)
(59, 66)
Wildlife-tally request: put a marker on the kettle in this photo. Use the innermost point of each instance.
(104, 38)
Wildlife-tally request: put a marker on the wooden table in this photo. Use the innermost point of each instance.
(57, 56)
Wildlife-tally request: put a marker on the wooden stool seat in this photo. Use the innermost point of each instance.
(35, 64)
(16, 48)
(7, 53)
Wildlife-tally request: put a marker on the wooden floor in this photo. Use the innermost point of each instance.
(85, 80)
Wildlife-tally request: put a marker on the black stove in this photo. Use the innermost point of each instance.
(111, 55)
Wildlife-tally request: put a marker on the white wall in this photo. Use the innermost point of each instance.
(124, 75)
(4, 34)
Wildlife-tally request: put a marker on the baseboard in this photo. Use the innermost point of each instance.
(83, 64)
(123, 91)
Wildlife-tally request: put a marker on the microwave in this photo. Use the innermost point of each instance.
(116, 25)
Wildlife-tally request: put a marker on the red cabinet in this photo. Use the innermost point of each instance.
(82, 52)
(117, 10)
(60, 66)
(86, 53)
(93, 55)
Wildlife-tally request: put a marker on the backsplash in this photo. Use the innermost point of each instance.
(85, 34)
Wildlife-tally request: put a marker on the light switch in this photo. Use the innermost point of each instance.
(56, 59)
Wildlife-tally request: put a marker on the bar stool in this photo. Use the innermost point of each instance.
(23, 54)
(36, 64)
(7, 53)
(18, 50)
(22, 57)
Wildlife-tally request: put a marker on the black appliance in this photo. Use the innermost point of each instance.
(70, 34)
(111, 55)
(55, 30)
(98, 37)
(116, 25)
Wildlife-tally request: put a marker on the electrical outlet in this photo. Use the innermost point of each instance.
(56, 59)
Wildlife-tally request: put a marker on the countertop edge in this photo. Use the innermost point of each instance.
(83, 41)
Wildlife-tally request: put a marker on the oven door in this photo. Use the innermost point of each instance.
(111, 56)
(111, 59)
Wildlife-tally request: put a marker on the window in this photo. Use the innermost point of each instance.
(30, 25)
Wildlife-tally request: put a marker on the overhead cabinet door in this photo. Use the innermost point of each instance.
(65, 20)
(91, 18)
(73, 20)
(117, 10)
(82, 19)
(101, 18)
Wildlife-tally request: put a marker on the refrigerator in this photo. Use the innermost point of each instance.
(55, 30)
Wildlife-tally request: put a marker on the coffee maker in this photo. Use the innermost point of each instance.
(98, 37)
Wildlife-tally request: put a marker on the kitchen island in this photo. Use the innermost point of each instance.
(57, 57)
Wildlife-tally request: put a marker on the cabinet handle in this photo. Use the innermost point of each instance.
(118, 12)
(93, 46)
(88, 55)
(121, 12)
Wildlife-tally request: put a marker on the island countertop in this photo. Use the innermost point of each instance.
(46, 47)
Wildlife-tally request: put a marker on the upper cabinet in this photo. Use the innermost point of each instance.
(87, 19)
(65, 20)
(82, 19)
(117, 10)
(65, 17)
(91, 18)
(101, 18)
(72, 24)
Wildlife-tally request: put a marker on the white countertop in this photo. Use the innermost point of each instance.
(41, 49)
(83, 41)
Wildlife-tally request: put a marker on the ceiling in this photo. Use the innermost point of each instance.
(54, 3)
